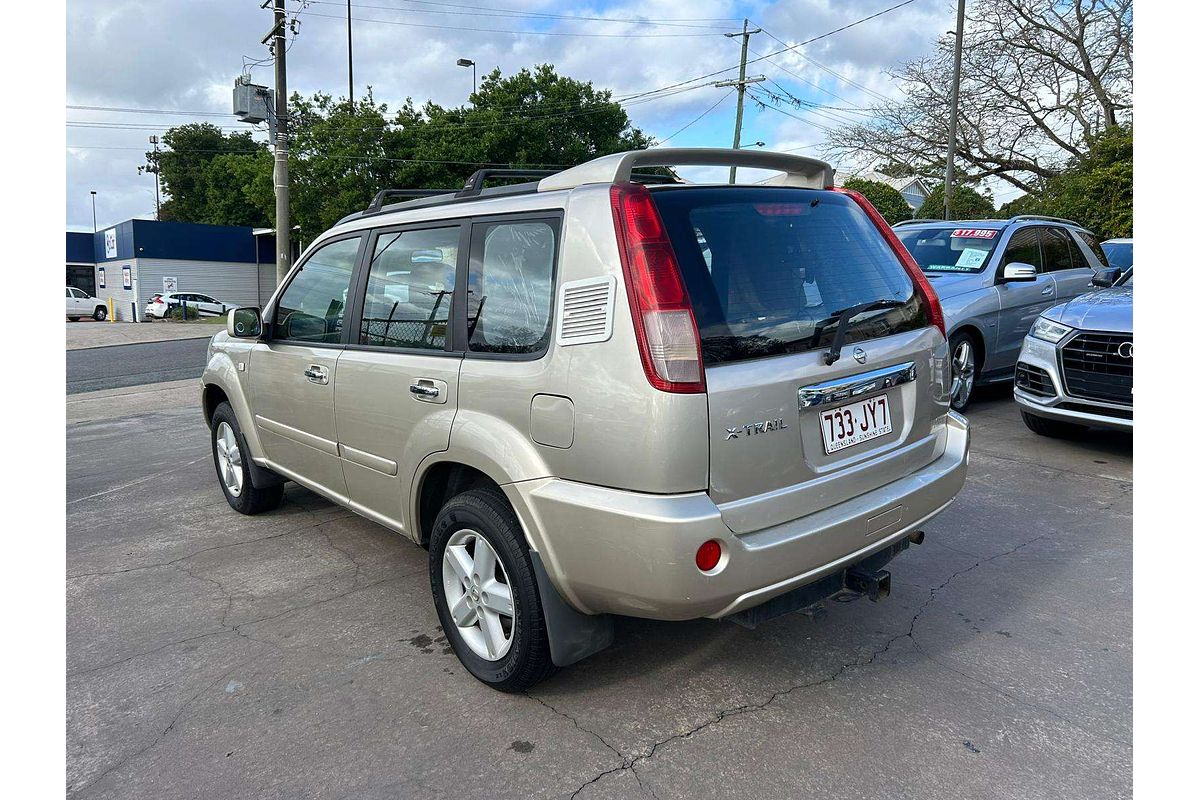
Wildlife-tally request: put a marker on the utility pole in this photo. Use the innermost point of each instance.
(948, 187)
(350, 53)
(283, 222)
(93, 212)
(151, 166)
(741, 88)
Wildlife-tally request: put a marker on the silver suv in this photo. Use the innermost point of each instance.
(605, 392)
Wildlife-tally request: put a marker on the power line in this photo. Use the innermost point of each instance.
(514, 32)
(708, 111)
(492, 11)
(824, 68)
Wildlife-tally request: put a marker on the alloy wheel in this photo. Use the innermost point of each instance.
(478, 594)
(229, 459)
(962, 373)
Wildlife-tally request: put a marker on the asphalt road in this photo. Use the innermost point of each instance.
(297, 654)
(134, 364)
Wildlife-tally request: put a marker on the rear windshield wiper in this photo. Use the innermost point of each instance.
(843, 318)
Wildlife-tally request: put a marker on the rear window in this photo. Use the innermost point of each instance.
(767, 268)
(958, 248)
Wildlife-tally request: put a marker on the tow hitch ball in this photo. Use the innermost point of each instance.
(875, 584)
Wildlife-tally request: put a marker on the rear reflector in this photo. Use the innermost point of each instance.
(668, 340)
(708, 555)
(929, 299)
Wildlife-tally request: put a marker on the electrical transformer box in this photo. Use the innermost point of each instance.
(252, 103)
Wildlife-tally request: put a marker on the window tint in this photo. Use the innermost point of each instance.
(1094, 245)
(1057, 249)
(314, 303)
(780, 264)
(510, 288)
(1023, 248)
(409, 289)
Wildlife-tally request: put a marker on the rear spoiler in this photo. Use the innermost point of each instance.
(799, 171)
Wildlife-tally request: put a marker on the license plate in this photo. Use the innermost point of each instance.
(855, 423)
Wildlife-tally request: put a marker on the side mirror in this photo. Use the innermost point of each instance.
(244, 323)
(1106, 277)
(1018, 272)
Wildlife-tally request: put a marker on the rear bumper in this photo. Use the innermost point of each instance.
(613, 551)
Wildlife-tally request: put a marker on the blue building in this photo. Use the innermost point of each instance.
(136, 259)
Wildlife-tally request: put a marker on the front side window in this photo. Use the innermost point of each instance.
(510, 288)
(409, 289)
(313, 305)
(1023, 248)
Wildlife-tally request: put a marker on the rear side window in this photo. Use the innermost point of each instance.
(409, 289)
(1094, 245)
(1060, 251)
(768, 269)
(510, 287)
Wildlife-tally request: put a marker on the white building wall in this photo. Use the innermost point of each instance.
(114, 288)
(233, 283)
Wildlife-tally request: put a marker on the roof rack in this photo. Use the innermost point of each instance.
(916, 221)
(408, 194)
(1044, 218)
(474, 184)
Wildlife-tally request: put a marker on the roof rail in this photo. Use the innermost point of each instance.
(474, 184)
(408, 194)
(916, 221)
(801, 171)
(1044, 218)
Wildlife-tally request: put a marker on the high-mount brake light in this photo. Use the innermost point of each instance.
(933, 306)
(667, 336)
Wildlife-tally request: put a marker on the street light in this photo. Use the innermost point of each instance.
(93, 212)
(466, 62)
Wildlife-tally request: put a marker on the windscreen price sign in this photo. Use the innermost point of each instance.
(974, 233)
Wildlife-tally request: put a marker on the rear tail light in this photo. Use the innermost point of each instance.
(667, 336)
(933, 306)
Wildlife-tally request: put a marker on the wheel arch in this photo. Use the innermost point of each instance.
(976, 335)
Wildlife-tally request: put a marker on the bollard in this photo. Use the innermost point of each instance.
(112, 317)
(133, 310)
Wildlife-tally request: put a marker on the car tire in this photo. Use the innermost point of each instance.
(1054, 428)
(73, 319)
(515, 657)
(100, 314)
(964, 370)
(231, 459)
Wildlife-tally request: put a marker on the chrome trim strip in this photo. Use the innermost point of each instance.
(840, 389)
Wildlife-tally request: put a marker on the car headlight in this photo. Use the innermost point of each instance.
(1048, 330)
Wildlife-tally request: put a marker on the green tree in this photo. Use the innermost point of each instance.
(1096, 190)
(185, 169)
(887, 200)
(966, 203)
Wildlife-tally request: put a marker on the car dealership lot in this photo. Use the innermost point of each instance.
(297, 654)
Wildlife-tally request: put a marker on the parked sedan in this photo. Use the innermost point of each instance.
(994, 277)
(80, 304)
(1076, 366)
(160, 305)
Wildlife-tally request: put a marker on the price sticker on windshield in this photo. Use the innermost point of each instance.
(974, 233)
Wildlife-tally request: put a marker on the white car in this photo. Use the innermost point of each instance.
(81, 304)
(160, 304)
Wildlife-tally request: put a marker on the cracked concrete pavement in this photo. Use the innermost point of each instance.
(297, 654)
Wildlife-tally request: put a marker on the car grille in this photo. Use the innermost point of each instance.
(1033, 380)
(1092, 367)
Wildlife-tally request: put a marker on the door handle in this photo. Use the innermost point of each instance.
(1048, 290)
(425, 391)
(317, 374)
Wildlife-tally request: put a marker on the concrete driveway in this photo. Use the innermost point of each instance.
(297, 654)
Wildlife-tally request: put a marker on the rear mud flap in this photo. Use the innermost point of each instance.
(573, 636)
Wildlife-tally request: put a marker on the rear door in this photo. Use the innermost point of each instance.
(397, 382)
(292, 373)
(767, 270)
(1020, 301)
(1073, 278)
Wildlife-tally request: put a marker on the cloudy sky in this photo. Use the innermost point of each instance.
(151, 64)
